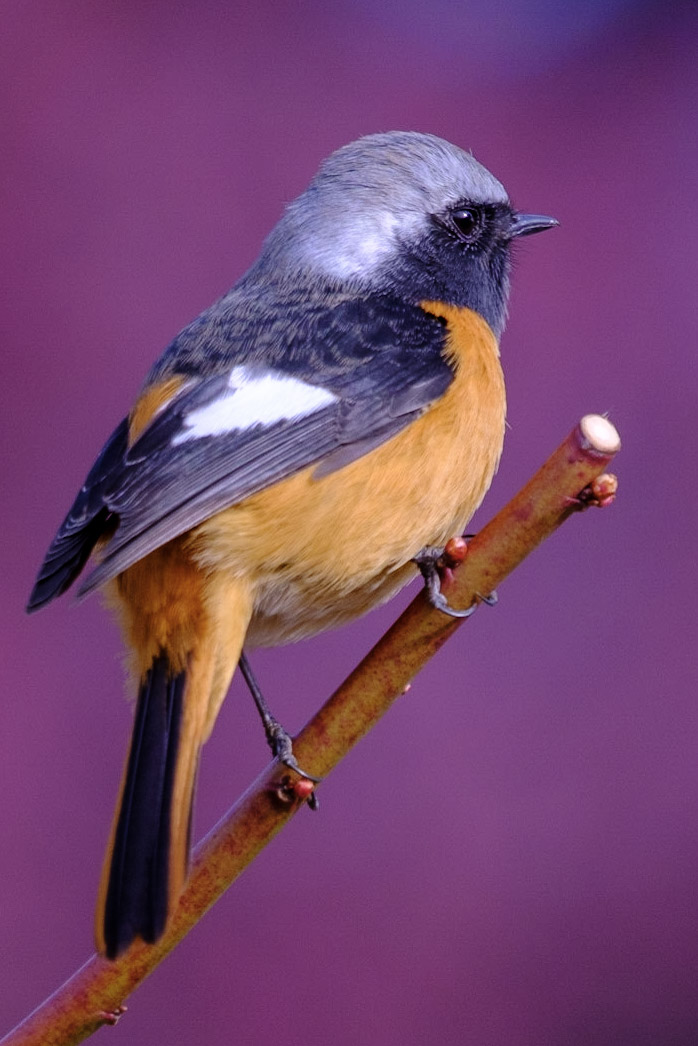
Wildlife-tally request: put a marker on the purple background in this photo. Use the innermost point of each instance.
(510, 857)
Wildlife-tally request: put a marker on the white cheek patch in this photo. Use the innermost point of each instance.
(361, 244)
(254, 398)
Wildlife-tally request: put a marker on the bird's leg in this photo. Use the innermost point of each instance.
(278, 739)
(435, 561)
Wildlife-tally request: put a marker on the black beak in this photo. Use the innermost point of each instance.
(526, 224)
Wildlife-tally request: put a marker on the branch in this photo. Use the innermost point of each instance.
(570, 480)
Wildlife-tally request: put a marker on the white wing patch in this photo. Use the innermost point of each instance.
(254, 397)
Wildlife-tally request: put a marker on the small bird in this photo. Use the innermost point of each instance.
(289, 457)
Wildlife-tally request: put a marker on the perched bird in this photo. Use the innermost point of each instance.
(288, 457)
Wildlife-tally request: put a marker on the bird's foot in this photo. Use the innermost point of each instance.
(436, 563)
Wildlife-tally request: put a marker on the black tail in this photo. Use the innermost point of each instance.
(134, 898)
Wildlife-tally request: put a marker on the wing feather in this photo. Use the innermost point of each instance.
(387, 367)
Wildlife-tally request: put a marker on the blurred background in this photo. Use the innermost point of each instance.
(511, 856)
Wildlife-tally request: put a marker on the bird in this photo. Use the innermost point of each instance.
(287, 462)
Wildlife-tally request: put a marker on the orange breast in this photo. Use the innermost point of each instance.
(321, 551)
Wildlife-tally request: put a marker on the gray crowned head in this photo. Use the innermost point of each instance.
(406, 213)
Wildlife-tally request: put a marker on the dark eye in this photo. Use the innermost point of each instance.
(466, 221)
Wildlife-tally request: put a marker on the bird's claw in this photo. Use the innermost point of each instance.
(432, 561)
(438, 600)
(281, 744)
(490, 600)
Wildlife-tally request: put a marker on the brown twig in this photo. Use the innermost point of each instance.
(565, 484)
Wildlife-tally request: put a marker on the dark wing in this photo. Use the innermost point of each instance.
(225, 437)
(87, 520)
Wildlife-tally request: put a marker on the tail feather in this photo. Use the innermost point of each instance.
(144, 863)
